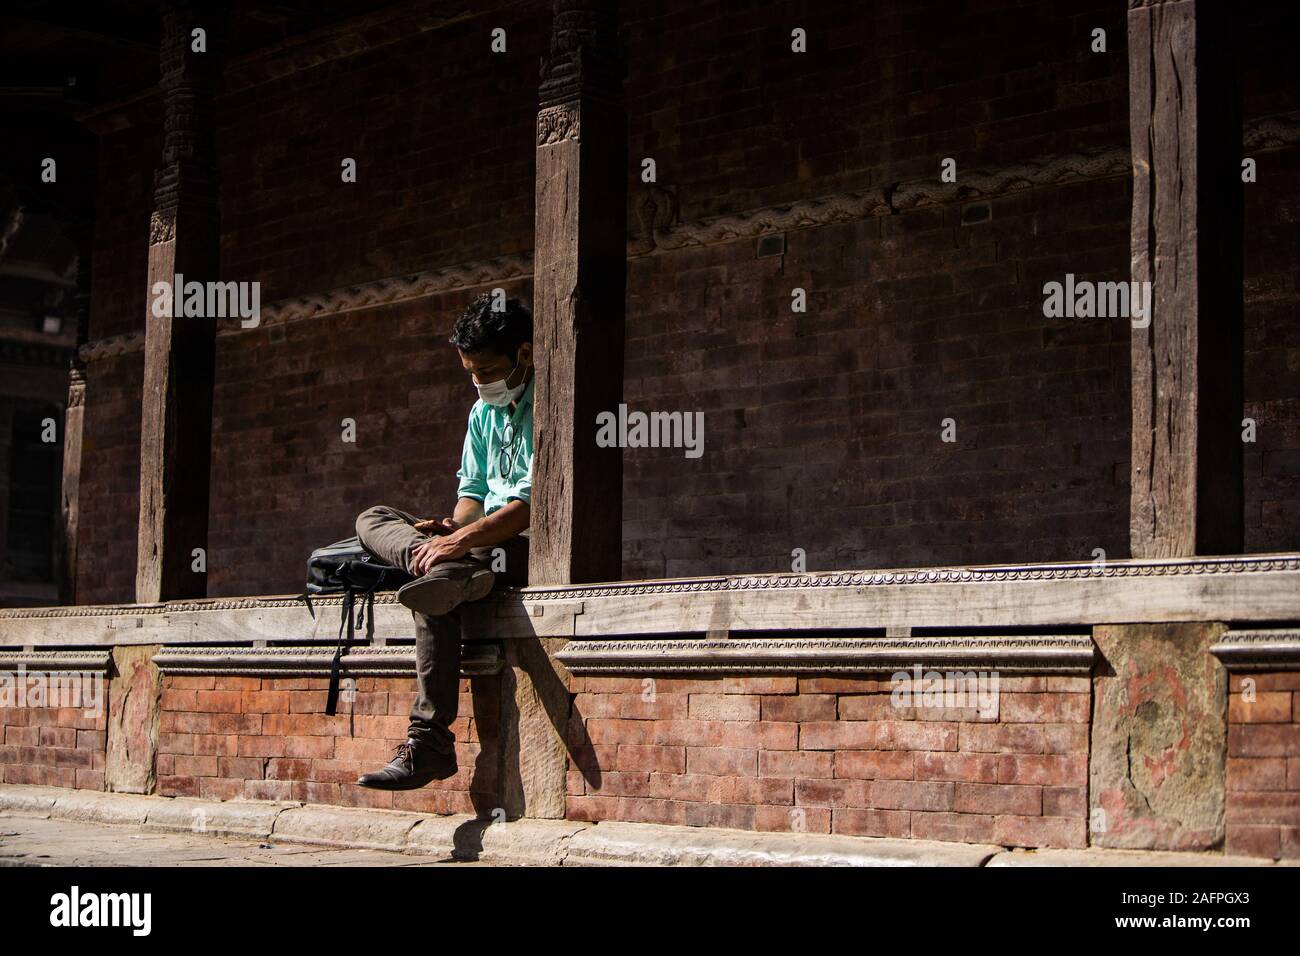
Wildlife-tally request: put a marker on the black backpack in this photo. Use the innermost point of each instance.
(346, 568)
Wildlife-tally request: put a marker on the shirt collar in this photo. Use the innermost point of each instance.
(527, 397)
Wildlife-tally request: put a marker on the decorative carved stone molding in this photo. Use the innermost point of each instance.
(1260, 650)
(86, 659)
(1249, 588)
(398, 289)
(477, 660)
(842, 207)
(1064, 654)
(78, 610)
(988, 183)
(112, 346)
(913, 576)
(657, 233)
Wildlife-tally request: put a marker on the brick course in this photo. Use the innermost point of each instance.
(256, 738)
(1263, 797)
(806, 754)
(53, 746)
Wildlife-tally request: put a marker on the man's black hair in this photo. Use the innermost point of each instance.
(481, 329)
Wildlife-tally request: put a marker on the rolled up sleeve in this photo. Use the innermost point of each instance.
(473, 461)
(523, 486)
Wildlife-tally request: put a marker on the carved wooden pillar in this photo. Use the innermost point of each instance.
(70, 495)
(73, 425)
(1185, 124)
(579, 298)
(578, 307)
(176, 423)
(1158, 751)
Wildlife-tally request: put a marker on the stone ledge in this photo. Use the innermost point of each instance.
(478, 659)
(978, 600)
(1043, 654)
(90, 659)
(1259, 649)
(545, 842)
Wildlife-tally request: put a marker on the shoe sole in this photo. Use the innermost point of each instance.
(410, 783)
(437, 596)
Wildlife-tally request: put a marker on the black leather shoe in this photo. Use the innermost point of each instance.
(412, 767)
(438, 591)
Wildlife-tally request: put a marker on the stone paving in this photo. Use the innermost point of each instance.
(26, 841)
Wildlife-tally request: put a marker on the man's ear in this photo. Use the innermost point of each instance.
(526, 354)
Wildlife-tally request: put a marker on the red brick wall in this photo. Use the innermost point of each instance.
(269, 739)
(1272, 256)
(1272, 462)
(110, 481)
(110, 463)
(832, 755)
(821, 429)
(120, 245)
(53, 746)
(818, 754)
(1263, 798)
(444, 135)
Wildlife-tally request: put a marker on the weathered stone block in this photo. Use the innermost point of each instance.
(134, 715)
(535, 706)
(1159, 738)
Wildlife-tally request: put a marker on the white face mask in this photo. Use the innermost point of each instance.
(500, 394)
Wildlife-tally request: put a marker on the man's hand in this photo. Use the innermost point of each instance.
(435, 550)
(437, 526)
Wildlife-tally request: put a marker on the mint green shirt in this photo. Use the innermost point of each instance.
(496, 464)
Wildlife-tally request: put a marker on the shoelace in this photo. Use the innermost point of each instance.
(404, 752)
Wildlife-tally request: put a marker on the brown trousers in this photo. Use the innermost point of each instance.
(389, 535)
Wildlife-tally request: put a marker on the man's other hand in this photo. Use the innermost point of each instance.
(437, 526)
(424, 557)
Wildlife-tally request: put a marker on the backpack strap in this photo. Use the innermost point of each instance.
(332, 696)
(367, 602)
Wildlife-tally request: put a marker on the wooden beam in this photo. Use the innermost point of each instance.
(176, 415)
(1185, 126)
(578, 293)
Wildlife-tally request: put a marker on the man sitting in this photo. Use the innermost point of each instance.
(452, 559)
